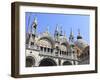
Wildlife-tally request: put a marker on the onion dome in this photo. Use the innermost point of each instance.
(79, 36)
(81, 44)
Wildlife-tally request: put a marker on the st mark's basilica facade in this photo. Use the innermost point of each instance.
(54, 50)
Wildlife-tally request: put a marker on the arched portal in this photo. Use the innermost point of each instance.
(67, 63)
(47, 62)
(30, 61)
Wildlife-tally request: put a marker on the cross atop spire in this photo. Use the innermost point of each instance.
(78, 31)
(47, 29)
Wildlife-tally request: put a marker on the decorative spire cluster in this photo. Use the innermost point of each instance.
(58, 31)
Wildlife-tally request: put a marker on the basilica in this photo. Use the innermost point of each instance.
(54, 50)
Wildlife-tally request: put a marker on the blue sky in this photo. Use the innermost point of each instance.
(67, 21)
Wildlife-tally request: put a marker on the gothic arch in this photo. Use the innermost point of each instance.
(47, 62)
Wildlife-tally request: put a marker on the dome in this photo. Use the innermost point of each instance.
(79, 37)
(81, 43)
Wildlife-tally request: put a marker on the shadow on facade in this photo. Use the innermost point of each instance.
(67, 63)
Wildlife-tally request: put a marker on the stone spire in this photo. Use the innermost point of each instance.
(61, 31)
(34, 26)
(71, 37)
(56, 33)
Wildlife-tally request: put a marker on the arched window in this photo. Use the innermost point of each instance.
(45, 43)
(30, 61)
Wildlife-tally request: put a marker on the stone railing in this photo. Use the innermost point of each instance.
(54, 55)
